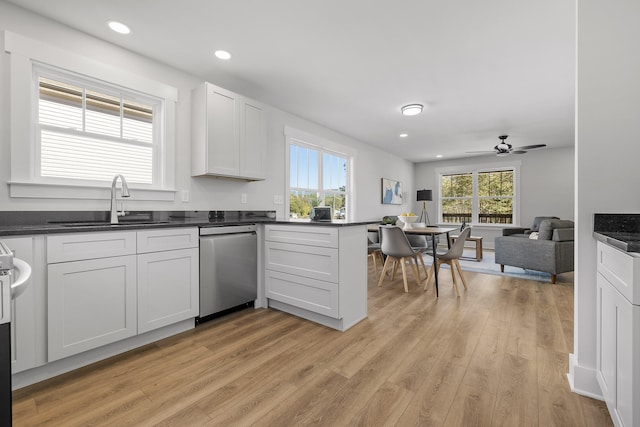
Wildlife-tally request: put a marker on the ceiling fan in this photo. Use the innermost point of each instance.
(504, 148)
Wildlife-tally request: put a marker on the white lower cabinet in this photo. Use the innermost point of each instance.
(317, 272)
(95, 299)
(91, 303)
(618, 334)
(167, 288)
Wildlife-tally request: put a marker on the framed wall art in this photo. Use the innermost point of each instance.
(391, 192)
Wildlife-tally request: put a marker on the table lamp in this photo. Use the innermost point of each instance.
(423, 196)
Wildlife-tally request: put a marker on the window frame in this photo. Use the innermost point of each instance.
(475, 198)
(86, 83)
(24, 54)
(323, 146)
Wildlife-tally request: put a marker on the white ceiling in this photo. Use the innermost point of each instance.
(482, 68)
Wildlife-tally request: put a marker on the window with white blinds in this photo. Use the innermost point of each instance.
(91, 132)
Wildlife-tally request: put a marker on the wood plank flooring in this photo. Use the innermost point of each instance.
(496, 356)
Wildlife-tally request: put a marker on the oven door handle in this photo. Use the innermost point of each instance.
(23, 273)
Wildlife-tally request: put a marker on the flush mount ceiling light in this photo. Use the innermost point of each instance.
(412, 109)
(222, 54)
(119, 27)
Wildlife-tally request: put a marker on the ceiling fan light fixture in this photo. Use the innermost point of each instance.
(412, 109)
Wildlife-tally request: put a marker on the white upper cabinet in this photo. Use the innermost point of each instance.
(228, 134)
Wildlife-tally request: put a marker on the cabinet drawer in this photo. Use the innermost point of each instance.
(300, 260)
(80, 246)
(310, 294)
(303, 235)
(167, 239)
(620, 269)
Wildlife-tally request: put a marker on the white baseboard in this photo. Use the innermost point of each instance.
(583, 380)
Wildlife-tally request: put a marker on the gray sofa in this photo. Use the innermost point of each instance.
(551, 252)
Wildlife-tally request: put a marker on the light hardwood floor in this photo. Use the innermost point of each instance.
(497, 356)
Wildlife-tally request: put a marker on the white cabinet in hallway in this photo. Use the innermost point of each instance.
(228, 134)
(618, 333)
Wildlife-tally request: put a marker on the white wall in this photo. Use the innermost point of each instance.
(546, 185)
(205, 193)
(607, 153)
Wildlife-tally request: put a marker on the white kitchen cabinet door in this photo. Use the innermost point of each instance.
(91, 303)
(222, 120)
(253, 140)
(23, 310)
(607, 335)
(167, 288)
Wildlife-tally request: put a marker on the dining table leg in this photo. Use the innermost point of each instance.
(435, 261)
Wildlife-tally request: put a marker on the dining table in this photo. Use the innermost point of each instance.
(428, 230)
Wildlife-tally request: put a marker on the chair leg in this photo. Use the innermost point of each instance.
(395, 268)
(553, 279)
(464, 282)
(416, 273)
(453, 277)
(502, 268)
(423, 266)
(404, 274)
(429, 274)
(375, 266)
(384, 270)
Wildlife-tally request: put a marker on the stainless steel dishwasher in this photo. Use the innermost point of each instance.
(228, 269)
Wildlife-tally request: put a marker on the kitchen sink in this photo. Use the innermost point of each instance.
(105, 223)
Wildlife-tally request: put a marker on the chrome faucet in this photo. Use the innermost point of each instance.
(125, 193)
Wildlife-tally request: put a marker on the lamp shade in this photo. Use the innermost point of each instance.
(425, 195)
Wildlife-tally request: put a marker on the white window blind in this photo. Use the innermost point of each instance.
(91, 133)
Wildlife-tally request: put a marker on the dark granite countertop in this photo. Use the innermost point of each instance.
(621, 231)
(14, 223)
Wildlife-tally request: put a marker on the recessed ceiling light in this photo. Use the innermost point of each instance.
(404, 135)
(119, 27)
(412, 109)
(439, 155)
(222, 54)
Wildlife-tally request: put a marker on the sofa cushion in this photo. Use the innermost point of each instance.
(548, 225)
(538, 220)
(562, 235)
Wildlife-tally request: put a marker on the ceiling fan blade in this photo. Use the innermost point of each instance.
(530, 147)
(480, 152)
(518, 151)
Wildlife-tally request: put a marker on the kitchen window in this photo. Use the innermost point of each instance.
(78, 120)
(91, 132)
(479, 196)
(317, 176)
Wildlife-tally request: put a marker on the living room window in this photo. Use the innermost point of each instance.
(478, 196)
(317, 176)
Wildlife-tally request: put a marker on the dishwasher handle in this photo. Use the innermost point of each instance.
(227, 229)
